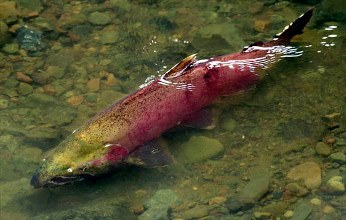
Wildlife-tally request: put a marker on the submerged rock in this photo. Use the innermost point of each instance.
(29, 39)
(11, 48)
(107, 97)
(262, 215)
(295, 129)
(316, 202)
(25, 88)
(302, 211)
(296, 190)
(98, 210)
(328, 209)
(338, 157)
(93, 85)
(229, 124)
(29, 6)
(225, 30)
(8, 10)
(4, 33)
(309, 172)
(159, 205)
(336, 184)
(275, 208)
(72, 20)
(256, 188)
(62, 59)
(234, 205)
(75, 100)
(42, 77)
(196, 212)
(41, 98)
(14, 189)
(217, 200)
(109, 37)
(60, 115)
(55, 71)
(322, 149)
(23, 77)
(155, 214)
(332, 120)
(3, 103)
(163, 23)
(42, 133)
(288, 214)
(164, 197)
(199, 148)
(99, 18)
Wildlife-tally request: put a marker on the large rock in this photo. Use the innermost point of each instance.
(199, 148)
(309, 173)
(256, 188)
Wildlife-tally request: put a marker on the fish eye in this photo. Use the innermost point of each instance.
(70, 170)
(84, 168)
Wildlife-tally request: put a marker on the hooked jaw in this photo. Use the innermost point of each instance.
(52, 175)
(38, 182)
(57, 170)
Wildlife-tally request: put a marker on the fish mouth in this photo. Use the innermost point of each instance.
(56, 181)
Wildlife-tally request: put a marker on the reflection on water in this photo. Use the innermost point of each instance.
(276, 151)
(329, 41)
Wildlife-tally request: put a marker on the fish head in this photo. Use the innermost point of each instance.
(75, 160)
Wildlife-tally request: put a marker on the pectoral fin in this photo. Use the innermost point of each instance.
(202, 119)
(152, 154)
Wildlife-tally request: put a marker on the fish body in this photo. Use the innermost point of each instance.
(120, 133)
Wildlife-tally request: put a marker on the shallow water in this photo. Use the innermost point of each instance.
(83, 65)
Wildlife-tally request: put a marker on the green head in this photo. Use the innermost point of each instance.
(75, 159)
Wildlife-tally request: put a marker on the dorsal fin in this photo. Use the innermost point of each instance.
(179, 67)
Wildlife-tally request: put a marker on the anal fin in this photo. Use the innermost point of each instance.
(152, 154)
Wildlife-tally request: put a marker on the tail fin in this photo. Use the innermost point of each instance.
(295, 28)
(291, 30)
